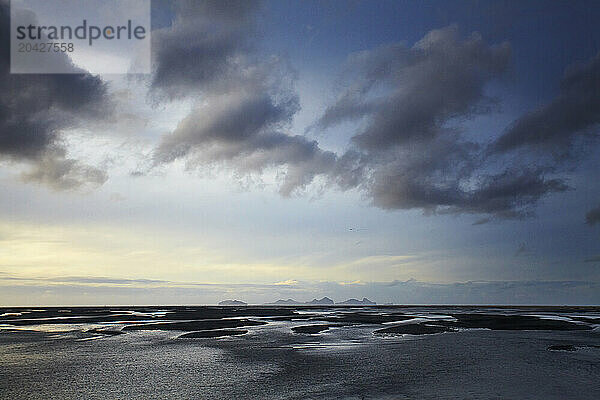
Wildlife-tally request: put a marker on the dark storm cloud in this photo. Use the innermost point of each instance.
(204, 47)
(234, 120)
(406, 102)
(593, 216)
(244, 131)
(510, 194)
(406, 99)
(33, 110)
(408, 94)
(245, 101)
(554, 128)
(404, 155)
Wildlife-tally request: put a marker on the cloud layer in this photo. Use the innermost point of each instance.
(409, 94)
(245, 101)
(556, 126)
(407, 102)
(33, 110)
(113, 291)
(204, 46)
(403, 108)
(408, 149)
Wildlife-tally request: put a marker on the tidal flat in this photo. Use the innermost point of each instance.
(299, 352)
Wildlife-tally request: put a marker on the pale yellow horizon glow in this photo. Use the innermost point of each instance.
(31, 251)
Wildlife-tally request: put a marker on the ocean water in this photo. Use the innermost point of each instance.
(350, 360)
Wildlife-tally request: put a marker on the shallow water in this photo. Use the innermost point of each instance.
(273, 362)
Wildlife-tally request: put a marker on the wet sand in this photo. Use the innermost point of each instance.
(299, 352)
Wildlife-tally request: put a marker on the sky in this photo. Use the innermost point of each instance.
(440, 152)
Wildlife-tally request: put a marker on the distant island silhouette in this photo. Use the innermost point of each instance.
(232, 303)
(364, 302)
(325, 301)
(286, 302)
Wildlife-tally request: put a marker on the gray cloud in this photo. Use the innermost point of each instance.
(83, 280)
(555, 127)
(54, 170)
(204, 47)
(446, 176)
(246, 102)
(408, 94)
(229, 124)
(102, 290)
(511, 193)
(406, 98)
(404, 154)
(104, 280)
(244, 129)
(33, 110)
(593, 216)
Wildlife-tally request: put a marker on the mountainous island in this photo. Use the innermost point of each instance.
(363, 302)
(288, 302)
(232, 303)
(325, 301)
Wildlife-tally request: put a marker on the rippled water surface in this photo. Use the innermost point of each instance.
(103, 357)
